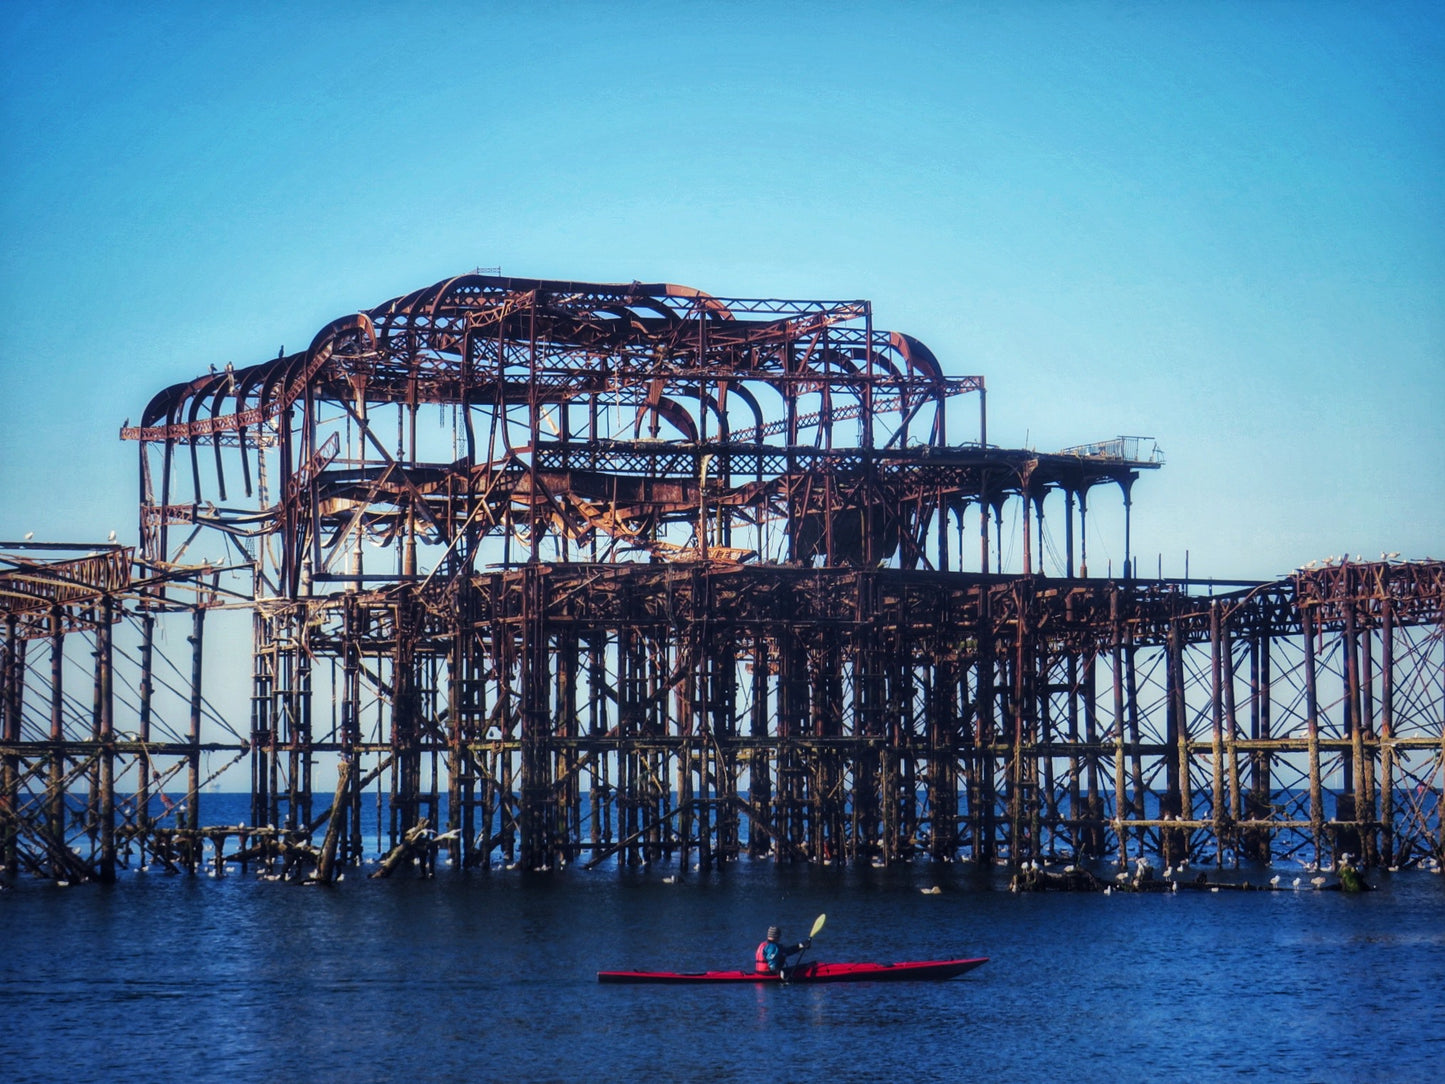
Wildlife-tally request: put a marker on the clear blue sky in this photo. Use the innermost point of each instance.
(1218, 224)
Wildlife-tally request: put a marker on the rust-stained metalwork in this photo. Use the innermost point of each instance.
(583, 572)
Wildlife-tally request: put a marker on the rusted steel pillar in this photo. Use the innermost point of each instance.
(1312, 723)
(684, 719)
(193, 734)
(598, 777)
(1370, 751)
(1116, 650)
(1069, 533)
(1045, 805)
(105, 688)
(538, 843)
(1025, 500)
(1039, 524)
(942, 721)
(261, 716)
(983, 798)
(629, 758)
(1131, 708)
(721, 698)
(657, 837)
(1260, 806)
(566, 790)
(1078, 813)
(458, 823)
(144, 767)
(983, 510)
(998, 531)
(829, 835)
(406, 755)
(502, 776)
(760, 785)
(1093, 835)
(1350, 809)
(868, 711)
(1440, 807)
(1387, 730)
(1023, 774)
(354, 620)
(792, 724)
(1231, 734)
(1178, 798)
(55, 796)
(11, 683)
(1217, 647)
(1128, 486)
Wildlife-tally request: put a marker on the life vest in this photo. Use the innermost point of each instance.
(762, 966)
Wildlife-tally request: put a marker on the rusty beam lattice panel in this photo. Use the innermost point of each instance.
(102, 754)
(583, 572)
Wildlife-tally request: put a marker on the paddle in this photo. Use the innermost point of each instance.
(817, 925)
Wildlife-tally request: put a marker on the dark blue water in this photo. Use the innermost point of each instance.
(491, 976)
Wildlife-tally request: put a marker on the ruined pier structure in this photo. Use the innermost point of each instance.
(577, 571)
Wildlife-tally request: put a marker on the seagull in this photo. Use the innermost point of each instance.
(1274, 880)
(29, 535)
(1296, 884)
(111, 538)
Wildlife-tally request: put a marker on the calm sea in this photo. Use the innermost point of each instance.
(491, 976)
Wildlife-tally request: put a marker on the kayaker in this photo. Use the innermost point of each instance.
(772, 955)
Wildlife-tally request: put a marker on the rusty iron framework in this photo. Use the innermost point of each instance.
(583, 572)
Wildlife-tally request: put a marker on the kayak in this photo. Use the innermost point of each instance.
(810, 972)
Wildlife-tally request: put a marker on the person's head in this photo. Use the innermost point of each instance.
(774, 933)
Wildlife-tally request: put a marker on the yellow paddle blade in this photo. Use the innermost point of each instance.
(818, 925)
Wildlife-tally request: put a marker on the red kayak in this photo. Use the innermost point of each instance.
(917, 969)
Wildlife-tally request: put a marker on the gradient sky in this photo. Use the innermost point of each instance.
(1221, 225)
